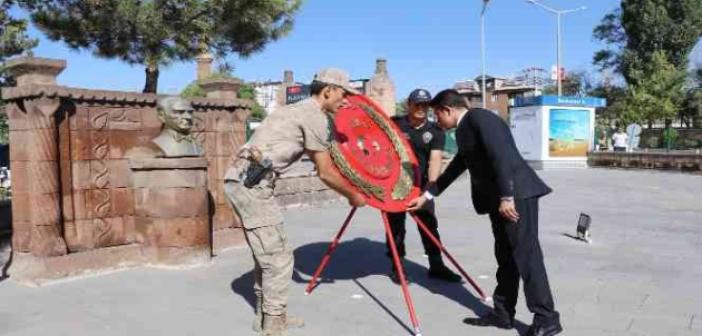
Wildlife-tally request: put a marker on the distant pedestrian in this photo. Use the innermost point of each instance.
(619, 140)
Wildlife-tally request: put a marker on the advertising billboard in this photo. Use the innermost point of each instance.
(569, 131)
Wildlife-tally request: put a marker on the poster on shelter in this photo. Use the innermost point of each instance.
(569, 131)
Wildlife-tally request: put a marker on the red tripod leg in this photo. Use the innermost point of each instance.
(327, 255)
(401, 272)
(436, 242)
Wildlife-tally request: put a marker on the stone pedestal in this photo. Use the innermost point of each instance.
(172, 210)
(223, 88)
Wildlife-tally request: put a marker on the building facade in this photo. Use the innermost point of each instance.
(500, 93)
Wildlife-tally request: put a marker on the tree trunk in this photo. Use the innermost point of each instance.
(151, 85)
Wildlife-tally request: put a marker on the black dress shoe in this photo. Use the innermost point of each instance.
(444, 274)
(489, 320)
(545, 330)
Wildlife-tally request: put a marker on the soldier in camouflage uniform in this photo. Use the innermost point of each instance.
(281, 139)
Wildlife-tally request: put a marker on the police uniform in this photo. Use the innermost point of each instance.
(423, 140)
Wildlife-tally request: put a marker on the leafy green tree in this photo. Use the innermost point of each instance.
(615, 96)
(639, 29)
(13, 41)
(649, 42)
(658, 93)
(158, 32)
(401, 108)
(192, 90)
(247, 91)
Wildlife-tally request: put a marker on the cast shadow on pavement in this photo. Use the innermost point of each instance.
(362, 257)
(5, 254)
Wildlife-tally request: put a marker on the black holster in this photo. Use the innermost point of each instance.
(256, 172)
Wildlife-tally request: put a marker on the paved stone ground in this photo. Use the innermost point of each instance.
(642, 275)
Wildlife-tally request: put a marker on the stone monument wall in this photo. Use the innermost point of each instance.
(73, 189)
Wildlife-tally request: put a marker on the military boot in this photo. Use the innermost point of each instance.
(257, 326)
(289, 322)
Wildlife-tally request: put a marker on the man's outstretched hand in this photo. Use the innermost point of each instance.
(416, 203)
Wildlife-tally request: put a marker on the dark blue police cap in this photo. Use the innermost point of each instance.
(419, 96)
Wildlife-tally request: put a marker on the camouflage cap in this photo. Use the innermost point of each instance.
(336, 77)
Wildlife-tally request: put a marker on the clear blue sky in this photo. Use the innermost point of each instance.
(428, 44)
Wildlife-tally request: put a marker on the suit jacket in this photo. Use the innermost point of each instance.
(487, 149)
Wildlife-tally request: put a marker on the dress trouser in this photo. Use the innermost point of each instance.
(519, 255)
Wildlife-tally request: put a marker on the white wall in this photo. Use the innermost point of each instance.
(527, 129)
(531, 130)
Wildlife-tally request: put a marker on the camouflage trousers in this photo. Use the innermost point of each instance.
(266, 237)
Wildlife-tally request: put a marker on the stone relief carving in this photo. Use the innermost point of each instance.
(100, 176)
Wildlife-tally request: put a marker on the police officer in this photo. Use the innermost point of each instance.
(427, 141)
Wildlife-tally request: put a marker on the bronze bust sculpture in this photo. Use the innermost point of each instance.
(175, 139)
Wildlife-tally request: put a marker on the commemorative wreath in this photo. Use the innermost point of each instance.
(372, 154)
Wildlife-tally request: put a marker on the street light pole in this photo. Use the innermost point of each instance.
(559, 35)
(558, 56)
(482, 49)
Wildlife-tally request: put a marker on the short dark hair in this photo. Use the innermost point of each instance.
(450, 98)
(316, 87)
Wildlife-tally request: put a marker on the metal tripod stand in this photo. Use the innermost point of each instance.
(396, 260)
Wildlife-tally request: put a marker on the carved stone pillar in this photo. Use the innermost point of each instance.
(204, 65)
(381, 87)
(43, 176)
(37, 159)
(281, 93)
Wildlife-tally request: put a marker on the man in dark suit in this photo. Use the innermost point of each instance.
(506, 188)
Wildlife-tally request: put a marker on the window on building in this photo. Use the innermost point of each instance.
(494, 97)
